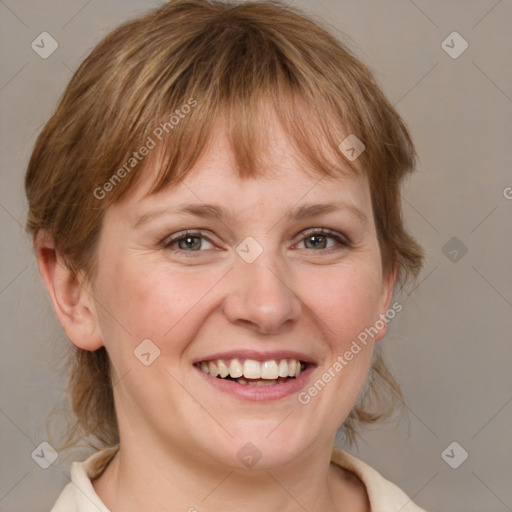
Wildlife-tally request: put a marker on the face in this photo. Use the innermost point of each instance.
(270, 292)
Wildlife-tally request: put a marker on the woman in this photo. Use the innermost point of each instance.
(216, 215)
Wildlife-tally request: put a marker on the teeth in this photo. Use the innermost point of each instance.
(259, 382)
(223, 369)
(263, 383)
(214, 369)
(236, 369)
(251, 369)
(292, 367)
(283, 368)
(269, 370)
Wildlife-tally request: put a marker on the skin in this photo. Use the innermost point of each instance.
(179, 435)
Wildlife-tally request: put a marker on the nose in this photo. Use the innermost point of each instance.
(260, 295)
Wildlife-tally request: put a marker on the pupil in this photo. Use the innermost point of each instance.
(189, 243)
(320, 240)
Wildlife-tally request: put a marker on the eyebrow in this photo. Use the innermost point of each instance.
(206, 211)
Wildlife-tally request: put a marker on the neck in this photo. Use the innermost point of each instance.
(143, 477)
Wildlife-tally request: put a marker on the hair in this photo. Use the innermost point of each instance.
(163, 79)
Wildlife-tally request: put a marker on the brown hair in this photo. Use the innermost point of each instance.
(164, 79)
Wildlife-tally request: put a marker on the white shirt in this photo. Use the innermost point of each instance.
(79, 495)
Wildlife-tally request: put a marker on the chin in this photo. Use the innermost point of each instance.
(261, 445)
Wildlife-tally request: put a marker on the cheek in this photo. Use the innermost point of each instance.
(346, 302)
(149, 301)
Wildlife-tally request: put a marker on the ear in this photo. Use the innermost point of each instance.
(388, 287)
(73, 305)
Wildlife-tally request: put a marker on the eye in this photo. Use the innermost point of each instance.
(188, 241)
(318, 239)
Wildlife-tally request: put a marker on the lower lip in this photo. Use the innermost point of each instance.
(259, 393)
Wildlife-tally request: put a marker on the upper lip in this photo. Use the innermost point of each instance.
(256, 355)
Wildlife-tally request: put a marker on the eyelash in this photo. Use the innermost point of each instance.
(342, 240)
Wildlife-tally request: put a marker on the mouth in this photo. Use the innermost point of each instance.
(251, 372)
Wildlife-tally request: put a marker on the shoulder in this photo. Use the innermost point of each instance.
(79, 495)
(66, 501)
(384, 496)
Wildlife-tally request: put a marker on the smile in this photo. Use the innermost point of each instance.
(250, 372)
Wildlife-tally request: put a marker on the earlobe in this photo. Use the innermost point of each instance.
(73, 305)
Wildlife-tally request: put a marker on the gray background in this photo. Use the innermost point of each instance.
(450, 347)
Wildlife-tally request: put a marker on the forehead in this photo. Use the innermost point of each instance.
(282, 172)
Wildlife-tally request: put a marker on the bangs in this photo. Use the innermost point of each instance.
(244, 84)
(249, 132)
